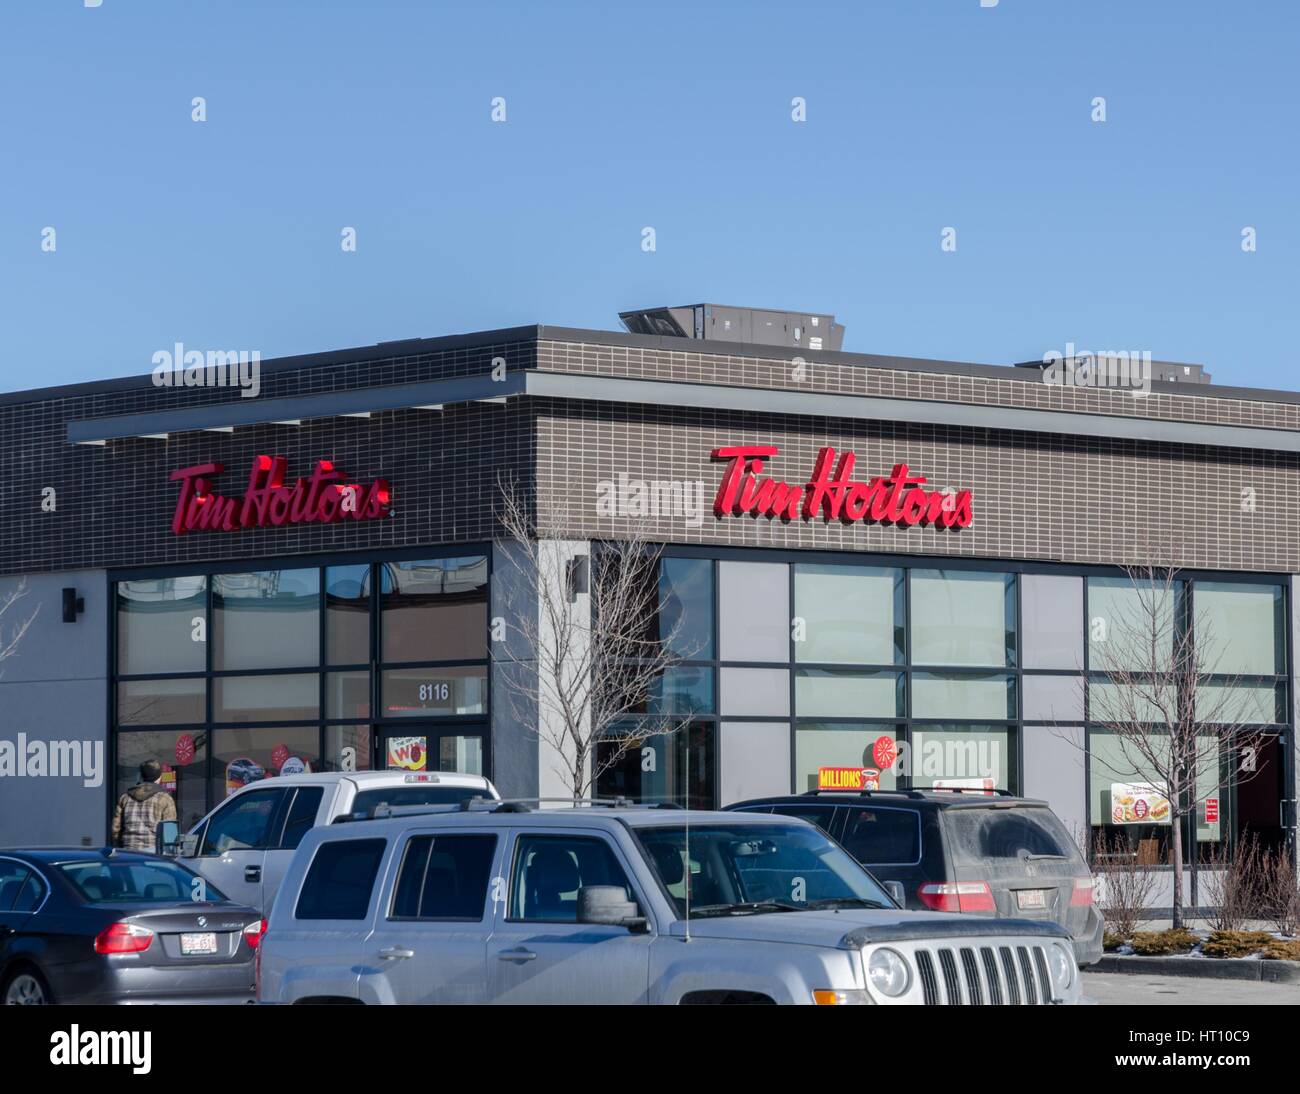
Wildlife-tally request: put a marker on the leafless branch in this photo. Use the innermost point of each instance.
(12, 631)
(1157, 689)
(592, 666)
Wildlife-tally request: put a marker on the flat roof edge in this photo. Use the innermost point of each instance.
(379, 351)
(537, 333)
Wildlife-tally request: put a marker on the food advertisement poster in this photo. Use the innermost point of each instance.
(407, 753)
(848, 778)
(1138, 803)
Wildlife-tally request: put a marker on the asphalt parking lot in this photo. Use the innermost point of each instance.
(1127, 989)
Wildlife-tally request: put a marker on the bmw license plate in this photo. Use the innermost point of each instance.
(1030, 899)
(195, 944)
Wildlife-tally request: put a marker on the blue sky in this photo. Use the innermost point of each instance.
(921, 114)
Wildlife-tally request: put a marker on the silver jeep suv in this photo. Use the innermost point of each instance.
(498, 903)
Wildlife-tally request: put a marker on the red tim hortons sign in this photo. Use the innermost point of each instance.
(327, 497)
(833, 494)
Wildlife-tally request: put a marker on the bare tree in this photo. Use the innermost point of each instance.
(1176, 719)
(1127, 886)
(594, 662)
(13, 629)
(1237, 885)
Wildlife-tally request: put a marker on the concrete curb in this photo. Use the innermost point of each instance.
(1207, 968)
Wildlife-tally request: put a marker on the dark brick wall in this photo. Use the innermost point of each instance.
(115, 502)
(868, 375)
(1074, 500)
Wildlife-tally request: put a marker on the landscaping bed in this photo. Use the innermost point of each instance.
(1226, 954)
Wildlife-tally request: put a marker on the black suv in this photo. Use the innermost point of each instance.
(960, 851)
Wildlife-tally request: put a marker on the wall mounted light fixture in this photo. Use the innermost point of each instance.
(73, 605)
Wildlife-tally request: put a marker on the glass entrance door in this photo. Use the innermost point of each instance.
(1260, 795)
(432, 748)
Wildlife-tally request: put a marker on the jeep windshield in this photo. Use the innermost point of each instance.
(747, 869)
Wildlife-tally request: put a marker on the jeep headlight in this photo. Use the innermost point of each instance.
(1061, 963)
(888, 973)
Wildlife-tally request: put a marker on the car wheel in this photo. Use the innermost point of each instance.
(26, 988)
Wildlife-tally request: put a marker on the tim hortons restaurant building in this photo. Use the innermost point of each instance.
(884, 569)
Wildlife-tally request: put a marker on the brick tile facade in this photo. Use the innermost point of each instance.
(1036, 497)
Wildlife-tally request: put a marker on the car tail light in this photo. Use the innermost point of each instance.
(1083, 892)
(254, 931)
(123, 938)
(957, 896)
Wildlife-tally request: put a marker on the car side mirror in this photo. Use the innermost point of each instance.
(169, 841)
(608, 906)
(165, 837)
(895, 889)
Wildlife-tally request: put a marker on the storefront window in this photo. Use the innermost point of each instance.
(434, 610)
(963, 617)
(963, 756)
(161, 702)
(283, 653)
(242, 756)
(463, 754)
(685, 602)
(347, 694)
(1240, 628)
(416, 692)
(963, 695)
(1128, 805)
(264, 620)
(1155, 701)
(848, 615)
(674, 767)
(347, 615)
(1131, 624)
(867, 745)
(1241, 703)
(685, 689)
(347, 748)
(291, 697)
(848, 693)
(183, 756)
(161, 625)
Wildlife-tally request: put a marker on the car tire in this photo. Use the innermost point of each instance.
(25, 986)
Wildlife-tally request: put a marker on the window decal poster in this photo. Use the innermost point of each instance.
(241, 771)
(1138, 803)
(407, 753)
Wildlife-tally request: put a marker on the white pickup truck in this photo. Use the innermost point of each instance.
(244, 845)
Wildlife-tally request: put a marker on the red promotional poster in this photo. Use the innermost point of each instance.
(184, 749)
(840, 778)
(884, 752)
(1211, 810)
(408, 753)
(279, 754)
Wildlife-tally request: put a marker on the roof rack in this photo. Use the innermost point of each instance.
(922, 794)
(384, 811)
